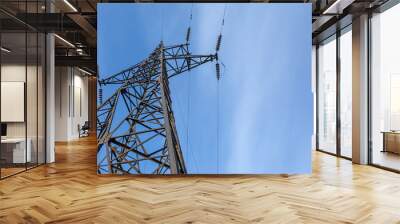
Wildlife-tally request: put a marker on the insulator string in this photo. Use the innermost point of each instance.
(188, 35)
(219, 38)
(218, 71)
(218, 43)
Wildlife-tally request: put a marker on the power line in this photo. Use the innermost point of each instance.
(189, 96)
(162, 23)
(223, 19)
(218, 73)
(218, 112)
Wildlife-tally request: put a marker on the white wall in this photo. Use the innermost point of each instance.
(62, 81)
(17, 73)
(33, 126)
(81, 83)
(12, 101)
(71, 94)
(14, 72)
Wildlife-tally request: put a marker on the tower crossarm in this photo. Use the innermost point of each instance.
(178, 59)
(136, 73)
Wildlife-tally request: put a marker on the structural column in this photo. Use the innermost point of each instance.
(50, 92)
(360, 90)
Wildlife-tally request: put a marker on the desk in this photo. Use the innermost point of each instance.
(13, 150)
(391, 141)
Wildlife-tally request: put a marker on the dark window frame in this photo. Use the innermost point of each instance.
(29, 30)
(333, 37)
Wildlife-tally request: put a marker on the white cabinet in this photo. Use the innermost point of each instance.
(19, 155)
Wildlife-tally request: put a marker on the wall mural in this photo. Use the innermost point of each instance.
(204, 88)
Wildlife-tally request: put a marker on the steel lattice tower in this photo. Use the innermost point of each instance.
(136, 126)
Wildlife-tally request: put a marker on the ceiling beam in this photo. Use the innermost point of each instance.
(83, 61)
(84, 24)
(338, 6)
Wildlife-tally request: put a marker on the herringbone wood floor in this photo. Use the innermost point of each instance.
(69, 191)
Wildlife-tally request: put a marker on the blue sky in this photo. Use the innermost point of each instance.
(265, 99)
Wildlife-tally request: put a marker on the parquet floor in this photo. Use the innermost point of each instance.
(69, 191)
(10, 171)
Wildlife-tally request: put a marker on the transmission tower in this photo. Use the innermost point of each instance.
(136, 126)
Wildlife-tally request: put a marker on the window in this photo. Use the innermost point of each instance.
(346, 92)
(22, 88)
(327, 95)
(385, 89)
